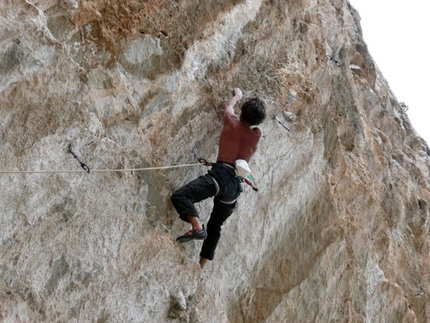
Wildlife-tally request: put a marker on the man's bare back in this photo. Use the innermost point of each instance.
(237, 140)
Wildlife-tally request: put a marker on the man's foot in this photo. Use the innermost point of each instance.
(193, 235)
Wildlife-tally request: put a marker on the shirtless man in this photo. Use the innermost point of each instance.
(239, 140)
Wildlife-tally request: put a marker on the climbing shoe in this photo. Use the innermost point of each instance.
(193, 235)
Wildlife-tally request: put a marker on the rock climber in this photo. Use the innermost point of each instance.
(238, 141)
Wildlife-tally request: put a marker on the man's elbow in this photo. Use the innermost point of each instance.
(228, 110)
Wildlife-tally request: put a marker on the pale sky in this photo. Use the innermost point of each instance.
(397, 34)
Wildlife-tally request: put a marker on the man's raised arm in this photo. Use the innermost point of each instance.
(228, 106)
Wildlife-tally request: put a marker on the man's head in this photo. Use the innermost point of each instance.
(253, 112)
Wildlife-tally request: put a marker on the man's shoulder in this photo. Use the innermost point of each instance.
(230, 116)
(256, 130)
(231, 120)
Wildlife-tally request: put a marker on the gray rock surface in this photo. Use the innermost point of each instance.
(338, 232)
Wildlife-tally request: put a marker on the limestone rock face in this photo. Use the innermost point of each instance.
(338, 231)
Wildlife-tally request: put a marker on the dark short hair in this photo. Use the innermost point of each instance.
(253, 111)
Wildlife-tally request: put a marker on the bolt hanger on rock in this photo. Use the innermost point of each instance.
(336, 62)
(280, 122)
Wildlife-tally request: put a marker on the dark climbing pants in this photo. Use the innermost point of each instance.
(226, 190)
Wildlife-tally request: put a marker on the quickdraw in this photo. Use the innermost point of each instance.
(83, 165)
(201, 160)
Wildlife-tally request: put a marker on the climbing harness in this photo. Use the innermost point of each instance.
(337, 63)
(83, 165)
(241, 168)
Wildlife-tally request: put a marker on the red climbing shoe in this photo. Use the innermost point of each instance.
(193, 235)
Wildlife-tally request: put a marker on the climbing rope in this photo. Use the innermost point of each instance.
(96, 170)
(86, 168)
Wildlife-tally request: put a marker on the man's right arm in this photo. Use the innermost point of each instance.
(228, 106)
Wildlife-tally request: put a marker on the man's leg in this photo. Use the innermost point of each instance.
(220, 213)
(195, 222)
(195, 191)
(203, 262)
(183, 200)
